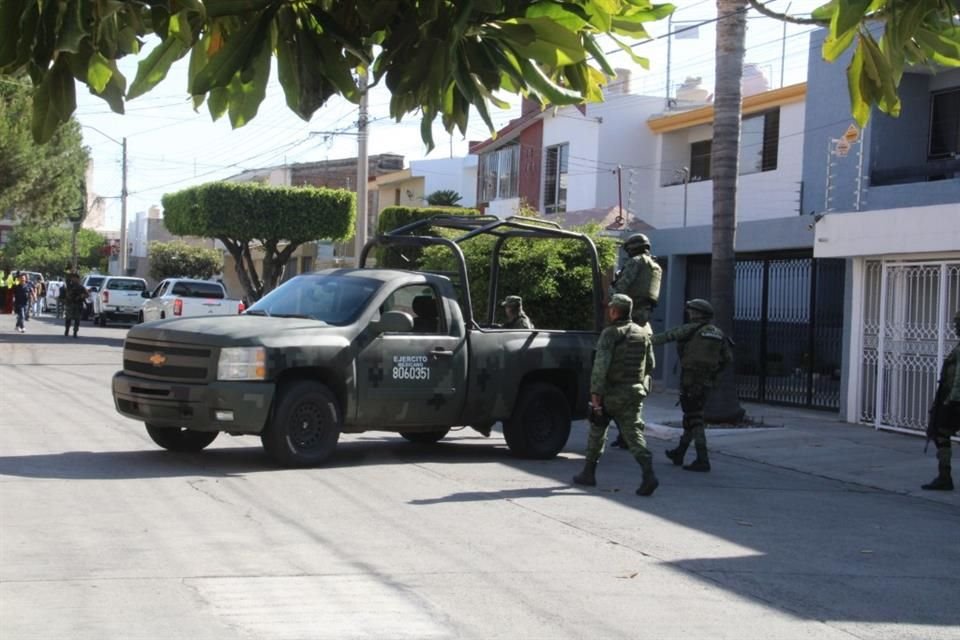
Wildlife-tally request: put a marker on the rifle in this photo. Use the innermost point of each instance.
(600, 419)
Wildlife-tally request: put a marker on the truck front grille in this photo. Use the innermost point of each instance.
(166, 361)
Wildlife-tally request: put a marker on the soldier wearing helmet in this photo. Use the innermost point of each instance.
(945, 415)
(619, 382)
(639, 278)
(704, 352)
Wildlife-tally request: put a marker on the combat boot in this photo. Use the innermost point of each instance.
(676, 455)
(700, 464)
(587, 477)
(649, 484)
(943, 481)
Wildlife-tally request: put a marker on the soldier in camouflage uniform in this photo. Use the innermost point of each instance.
(618, 384)
(72, 296)
(639, 278)
(945, 415)
(704, 352)
(516, 318)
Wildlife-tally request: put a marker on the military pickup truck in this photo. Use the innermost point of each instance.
(366, 349)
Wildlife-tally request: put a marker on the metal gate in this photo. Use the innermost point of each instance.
(788, 327)
(908, 309)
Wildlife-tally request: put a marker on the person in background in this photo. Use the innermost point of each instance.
(516, 318)
(945, 415)
(21, 302)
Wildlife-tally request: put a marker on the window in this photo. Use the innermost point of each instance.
(759, 146)
(396, 197)
(122, 284)
(306, 264)
(198, 290)
(289, 269)
(945, 124)
(336, 300)
(500, 174)
(421, 303)
(555, 179)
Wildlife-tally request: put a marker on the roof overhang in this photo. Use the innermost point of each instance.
(930, 229)
(751, 104)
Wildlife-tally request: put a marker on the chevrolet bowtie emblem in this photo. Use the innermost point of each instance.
(158, 359)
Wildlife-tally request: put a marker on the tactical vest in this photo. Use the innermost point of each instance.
(646, 286)
(701, 352)
(627, 366)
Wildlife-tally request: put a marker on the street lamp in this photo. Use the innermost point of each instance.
(123, 199)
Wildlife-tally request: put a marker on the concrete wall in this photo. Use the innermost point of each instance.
(457, 174)
(569, 126)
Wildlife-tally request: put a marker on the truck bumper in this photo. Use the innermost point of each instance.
(194, 406)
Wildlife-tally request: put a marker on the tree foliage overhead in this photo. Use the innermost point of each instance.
(47, 249)
(39, 183)
(179, 259)
(247, 217)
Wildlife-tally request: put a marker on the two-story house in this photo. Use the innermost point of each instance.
(411, 186)
(787, 323)
(887, 201)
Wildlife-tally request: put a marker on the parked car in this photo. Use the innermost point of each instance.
(185, 298)
(91, 283)
(119, 298)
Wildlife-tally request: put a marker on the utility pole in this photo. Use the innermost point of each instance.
(123, 213)
(619, 218)
(362, 168)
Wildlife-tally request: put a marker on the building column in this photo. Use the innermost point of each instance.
(668, 314)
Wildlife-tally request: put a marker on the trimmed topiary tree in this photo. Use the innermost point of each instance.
(395, 217)
(275, 220)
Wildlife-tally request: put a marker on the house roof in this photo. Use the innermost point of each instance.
(751, 104)
(395, 176)
(508, 132)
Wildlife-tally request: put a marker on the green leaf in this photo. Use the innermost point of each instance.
(859, 104)
(874, 57)
(569, 16)
(849, 14)
(543, 40)
(943, 47)
(98, 72)
(153, 69)
(626, 48)
(544, 86)
(72, 31)
(221, 66)
(825, 11)
(53, 102)
(247, 95)
(590, 44)
(218, 100)
(833, 48)
(10, 15)
(112, 94)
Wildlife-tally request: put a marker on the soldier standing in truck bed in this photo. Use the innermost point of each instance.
(704, 352)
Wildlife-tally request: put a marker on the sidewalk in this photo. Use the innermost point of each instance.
(817, 443)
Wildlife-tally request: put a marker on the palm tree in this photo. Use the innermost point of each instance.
(444, 198)
(724, 405)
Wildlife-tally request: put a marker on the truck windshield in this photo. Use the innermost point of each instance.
(333, 299)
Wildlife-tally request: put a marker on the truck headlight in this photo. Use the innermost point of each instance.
(242, 363)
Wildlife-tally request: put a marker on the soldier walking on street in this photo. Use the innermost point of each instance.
(704, 352)
(945, 415)
(72, 297)
(618, 384)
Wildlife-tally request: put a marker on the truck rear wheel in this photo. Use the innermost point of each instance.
(305, 426)
(425, 437)
(181, 440)
(540, 423)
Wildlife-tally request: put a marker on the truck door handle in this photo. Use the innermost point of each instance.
(440, 352)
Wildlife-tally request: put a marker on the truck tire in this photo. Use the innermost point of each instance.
(305, 425)
(539, 426)
(425, 437)
(181, 440)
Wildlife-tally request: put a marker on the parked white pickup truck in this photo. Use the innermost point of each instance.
(119, 298)
(184, 298)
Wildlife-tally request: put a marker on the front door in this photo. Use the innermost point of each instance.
(416, 378)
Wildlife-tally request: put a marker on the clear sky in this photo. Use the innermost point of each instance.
(169, 146)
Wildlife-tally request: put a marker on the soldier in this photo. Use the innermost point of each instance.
(72, 297)
(516, 318)
(639, 278)
(619, 383)
(704, 352)
(945, 415)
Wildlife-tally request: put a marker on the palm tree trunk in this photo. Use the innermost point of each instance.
(724, 405)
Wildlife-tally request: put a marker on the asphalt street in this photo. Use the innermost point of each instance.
(811, 528)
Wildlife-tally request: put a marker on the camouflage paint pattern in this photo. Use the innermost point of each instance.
(640, 279)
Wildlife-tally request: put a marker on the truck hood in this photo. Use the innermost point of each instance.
(242, 330)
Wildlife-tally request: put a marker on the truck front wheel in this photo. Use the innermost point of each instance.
(305, 426)
(540, 423)
(425, 437)
(181, 440)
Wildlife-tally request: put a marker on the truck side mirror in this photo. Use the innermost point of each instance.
(395, 322)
